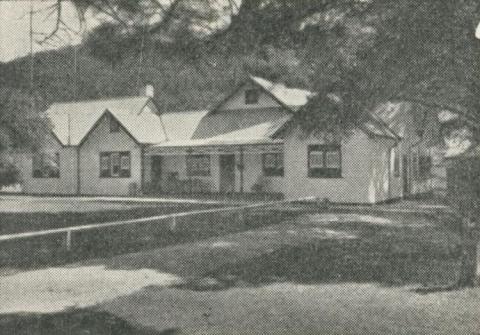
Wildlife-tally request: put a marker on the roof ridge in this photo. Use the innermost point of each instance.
(186, 111)
(99, 99)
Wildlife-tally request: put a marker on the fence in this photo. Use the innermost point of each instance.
(61, 245)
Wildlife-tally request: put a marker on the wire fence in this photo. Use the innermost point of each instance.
(57, 246)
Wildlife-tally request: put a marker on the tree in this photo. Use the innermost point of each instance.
(419, 51)
(358, 52)
(20, 128)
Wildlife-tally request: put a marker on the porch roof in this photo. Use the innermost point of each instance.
(217, 145)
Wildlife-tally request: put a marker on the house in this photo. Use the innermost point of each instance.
(95, 147)
(248, 143)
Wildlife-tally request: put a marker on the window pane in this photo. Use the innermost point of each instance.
(270, 161)
(46, 165)
(104, 162)
(115, 157)
(316, 159)
(273, 164)
(125, 161)
(251, 96)
(37, 165)
(325, 161)
(332, 160)
(125, 165)
(198, 165)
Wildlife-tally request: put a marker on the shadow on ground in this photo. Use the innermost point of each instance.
(384, 255)
(82, 322)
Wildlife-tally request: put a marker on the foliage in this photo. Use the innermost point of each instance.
(19, 128)
(8, 174)
(358, 52)
(397, 50)
(19, 125)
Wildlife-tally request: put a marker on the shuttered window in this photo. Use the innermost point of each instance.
(115, 164)
(324, 161)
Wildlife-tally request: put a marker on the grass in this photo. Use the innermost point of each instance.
(109, 241)
(277, 276)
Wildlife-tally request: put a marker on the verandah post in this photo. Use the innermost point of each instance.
(241, 167)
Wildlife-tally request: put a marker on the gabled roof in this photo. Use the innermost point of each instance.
(294, 98)
(255, 132)
(290, 98)
(377, 127)
(73, 121)
(216, 124)
(182, 125)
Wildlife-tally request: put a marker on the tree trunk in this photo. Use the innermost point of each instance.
(469, 268)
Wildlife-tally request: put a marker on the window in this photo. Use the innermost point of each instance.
(324, 161)
(273, 164)
(395, 161)
(115, 164)
(114, 125)
(251, 96)
(46, 165)
(198, 165)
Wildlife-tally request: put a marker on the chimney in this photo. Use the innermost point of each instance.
(147, 91)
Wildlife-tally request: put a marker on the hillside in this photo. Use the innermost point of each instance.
(179, 84)
(282, 42)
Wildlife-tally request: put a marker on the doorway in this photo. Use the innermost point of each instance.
(156, 173)
(227, 173)
(406, 177)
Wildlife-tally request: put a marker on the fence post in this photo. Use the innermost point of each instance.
(68, 240)
(242, 215)
(173, 224)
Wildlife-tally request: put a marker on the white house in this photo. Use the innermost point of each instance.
(246, 144)
(95, 147)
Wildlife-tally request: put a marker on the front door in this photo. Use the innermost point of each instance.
(156, 172)
(227, 173)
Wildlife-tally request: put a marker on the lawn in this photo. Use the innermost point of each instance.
(112, 240)
(17, 222)
(325, 273)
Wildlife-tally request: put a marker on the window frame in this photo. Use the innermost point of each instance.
(111, 170)
(196, 159)
(252, 96)
(43, 170)
(324, 171)
(278, 170)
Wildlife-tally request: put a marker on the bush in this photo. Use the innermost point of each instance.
(8, 174)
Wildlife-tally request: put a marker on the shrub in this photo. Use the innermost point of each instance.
(8, 174)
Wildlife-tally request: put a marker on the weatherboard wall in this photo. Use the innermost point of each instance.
(100, 140)
(237, 100)
(65, 184)
(364, 170)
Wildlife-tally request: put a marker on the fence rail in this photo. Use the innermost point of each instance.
(171, 218)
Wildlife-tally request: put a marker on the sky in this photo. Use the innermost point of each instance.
(14, 27)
